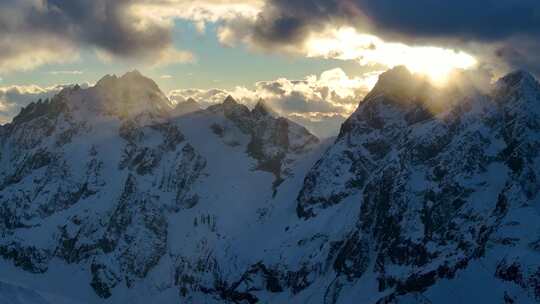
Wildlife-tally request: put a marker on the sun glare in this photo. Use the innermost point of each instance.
(347, 44)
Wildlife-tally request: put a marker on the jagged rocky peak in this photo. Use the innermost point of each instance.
(518, 82)
(262, 109)
(129, 95)
(186, 107)
(398, 99)
(517, 78)
(274, 141)
(41, 108)
(190, 101)
(517, 95)
(400, 85)
(228, 103)
(130, 80)
(231, 109)
(230, 100)
(44, 108)
(231, 106)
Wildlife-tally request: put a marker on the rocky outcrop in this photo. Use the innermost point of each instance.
(274, 140)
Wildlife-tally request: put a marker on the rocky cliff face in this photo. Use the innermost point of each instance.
(86, 178)
(436, 191)
(425, 197)
(93, 178)
(273, 141)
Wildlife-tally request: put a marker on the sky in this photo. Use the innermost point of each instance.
(312, 60)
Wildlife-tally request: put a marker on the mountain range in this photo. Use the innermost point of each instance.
(112, 194)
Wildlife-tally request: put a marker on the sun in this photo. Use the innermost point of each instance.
(437, 63)
(347, 44)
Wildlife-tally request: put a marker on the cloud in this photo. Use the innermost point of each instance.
(332, 92)
(482, 20)
(203, 11)
(26, 52)
(321, 103)
(347, 44)
(170, 55)
(73, 72)
(466, 34)
(204, 97)
(238, 30)
(381, 33)
(322, 125)
(38, 32)
(235, 18)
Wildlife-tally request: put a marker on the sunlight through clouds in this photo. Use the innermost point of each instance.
(347, 44)
(319, 102)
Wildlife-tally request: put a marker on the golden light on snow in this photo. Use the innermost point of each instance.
(347, 44)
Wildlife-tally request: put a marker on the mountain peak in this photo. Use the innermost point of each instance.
(190, 100)
(186, 107)
(106, 79)
(129, 95)
(398, 72)
(399, 98)
(399, 83)
(133, 73)
(262, 109)
(515, 85)
(230, 107)
(133, 78)
(517, 79)
(230, 100)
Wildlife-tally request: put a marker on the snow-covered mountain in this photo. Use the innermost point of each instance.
(111, 194)
(446, 200)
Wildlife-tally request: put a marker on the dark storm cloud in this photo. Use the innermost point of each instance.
(501, 23)
(106, 24)
(482, 20)
(283, 21)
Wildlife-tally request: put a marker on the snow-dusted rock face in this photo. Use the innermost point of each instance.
(425, 197)
(273, 141)
(89, 178)
(399, 100)
(104, 182)
(436, 192)
(126, 96)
